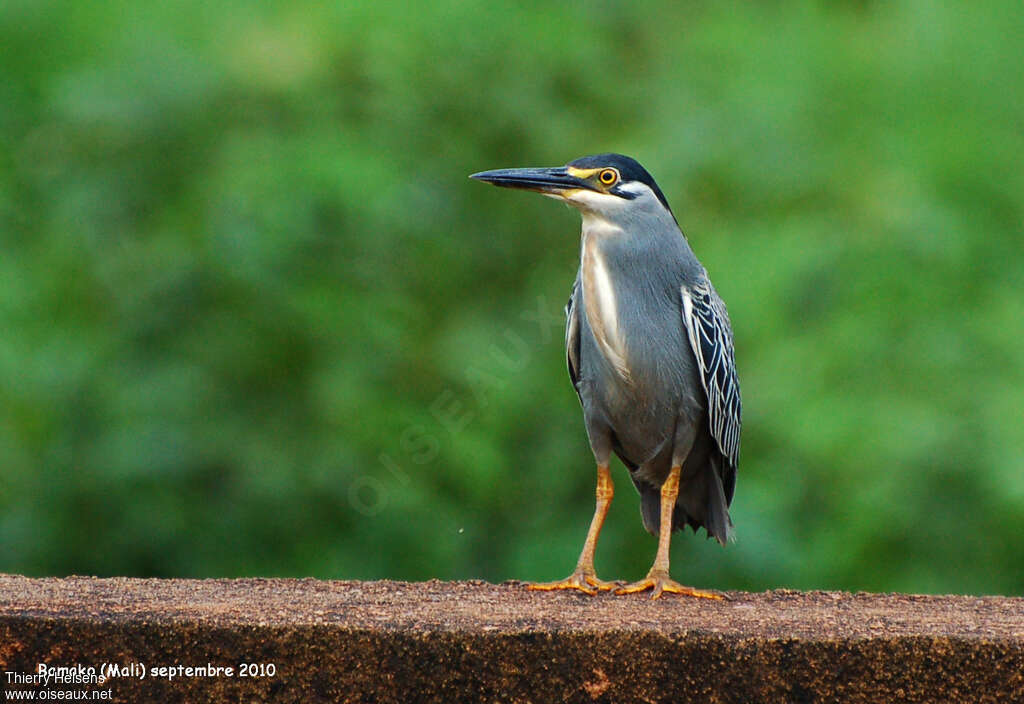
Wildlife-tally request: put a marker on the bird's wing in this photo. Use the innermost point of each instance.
(572, 336)
(707, 325)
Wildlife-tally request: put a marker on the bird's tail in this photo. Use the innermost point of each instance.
(717, 521)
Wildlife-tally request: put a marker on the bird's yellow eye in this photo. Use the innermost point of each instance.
(608, 177)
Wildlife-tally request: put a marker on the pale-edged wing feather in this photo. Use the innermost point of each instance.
(572, 337)
(707, 325)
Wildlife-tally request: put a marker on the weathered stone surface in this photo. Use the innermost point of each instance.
(437, 641)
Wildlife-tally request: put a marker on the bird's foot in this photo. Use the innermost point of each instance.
(660, 582)
(583, 580)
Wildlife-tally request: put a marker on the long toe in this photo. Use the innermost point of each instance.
(586, 582)
(660, 583)
(600, 584)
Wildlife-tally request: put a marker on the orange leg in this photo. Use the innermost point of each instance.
(583, 577)
(657, 578)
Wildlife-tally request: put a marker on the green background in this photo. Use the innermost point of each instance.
(255, 320)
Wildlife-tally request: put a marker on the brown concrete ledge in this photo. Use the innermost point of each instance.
(471, 641)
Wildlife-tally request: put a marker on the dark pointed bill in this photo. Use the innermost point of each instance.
(547, 180)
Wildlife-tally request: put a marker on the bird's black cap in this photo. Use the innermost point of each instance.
(628, 167)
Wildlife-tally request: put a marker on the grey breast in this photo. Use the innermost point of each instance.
(639, 377)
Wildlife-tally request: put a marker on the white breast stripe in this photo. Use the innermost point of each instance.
(602, 308)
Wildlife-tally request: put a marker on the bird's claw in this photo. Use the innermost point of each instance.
(584, 581)
(660, 583)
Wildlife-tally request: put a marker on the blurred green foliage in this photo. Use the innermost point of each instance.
(256, 320)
